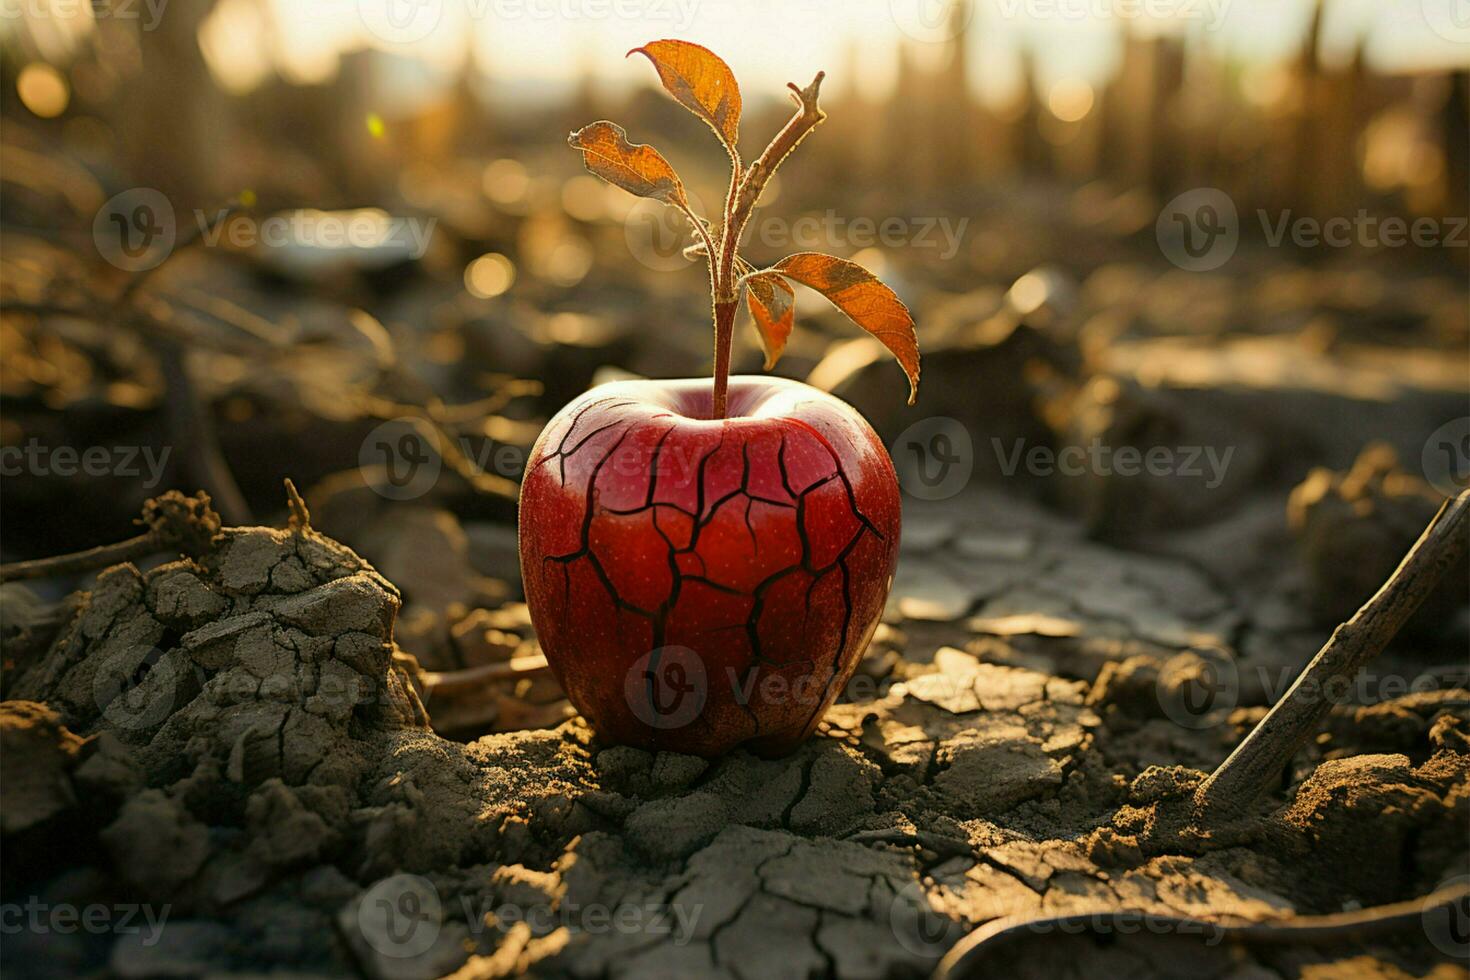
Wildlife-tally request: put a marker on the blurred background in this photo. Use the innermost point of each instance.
(346, 242)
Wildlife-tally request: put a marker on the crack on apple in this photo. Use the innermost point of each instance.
(686, 565)
(703, 485)
(586, 550)
(841, 474)
(562, 453)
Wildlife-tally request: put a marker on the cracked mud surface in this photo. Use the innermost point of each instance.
(239, 739)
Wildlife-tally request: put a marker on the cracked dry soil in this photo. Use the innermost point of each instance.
(238, 741)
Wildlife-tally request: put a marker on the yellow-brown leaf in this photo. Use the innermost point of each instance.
(866, 301)
(772, 303)
(635, 167)
(701, 82)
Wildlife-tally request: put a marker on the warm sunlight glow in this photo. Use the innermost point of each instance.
(235, 41)
(505, 182)
(552, 45)
(43, 89)
(489, 276)
(1070, 99)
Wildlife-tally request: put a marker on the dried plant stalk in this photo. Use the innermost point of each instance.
(1257, 763)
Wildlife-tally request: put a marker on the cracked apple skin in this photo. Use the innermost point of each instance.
(700, 584)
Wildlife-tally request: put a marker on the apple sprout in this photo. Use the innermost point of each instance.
(706, 86)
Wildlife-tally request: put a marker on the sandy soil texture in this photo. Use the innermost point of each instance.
(238, 741)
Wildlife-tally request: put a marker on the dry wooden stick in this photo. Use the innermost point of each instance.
(745, 192)
(971, 956)
(1257, 763)
(192, 428)
(174, 522)
(188, 419)
(82, 562)
(475, 678)
(753, 181)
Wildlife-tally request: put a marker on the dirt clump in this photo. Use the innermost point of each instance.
(235, 736)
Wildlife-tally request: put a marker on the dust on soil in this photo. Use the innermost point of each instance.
(237, 738)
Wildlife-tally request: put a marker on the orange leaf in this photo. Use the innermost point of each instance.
(772, 302)
(701, 82)
(635, 167)
(866, 301)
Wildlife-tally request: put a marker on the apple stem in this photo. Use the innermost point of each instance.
(724, 336)
(746, 185)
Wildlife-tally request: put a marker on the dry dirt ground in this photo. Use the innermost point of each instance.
(237, 742)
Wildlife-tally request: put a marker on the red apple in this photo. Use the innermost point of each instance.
(705, 561)
(699, 583)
